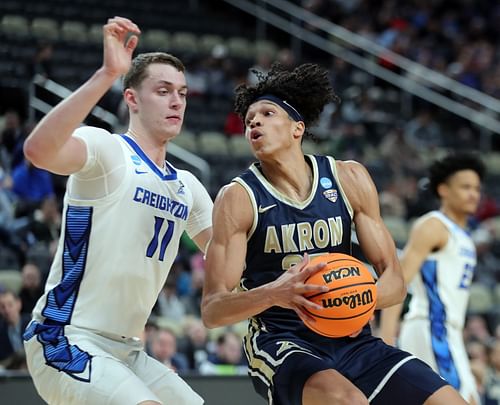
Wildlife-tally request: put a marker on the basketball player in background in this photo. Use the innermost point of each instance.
(282, 209)
(439, 261)
(125, 209)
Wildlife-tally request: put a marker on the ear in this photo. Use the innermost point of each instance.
(442, 190)
(130, 97)
(299, 129)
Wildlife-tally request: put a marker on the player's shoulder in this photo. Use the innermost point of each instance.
(351, 170)
(356, 183)
(233, 197)
(429, 226)
(87, 131)
(96, 136)
(233, 191)
(429, 220)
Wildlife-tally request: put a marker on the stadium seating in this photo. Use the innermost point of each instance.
(213, 143)
(11, 279)
(45, 28)
(15, 26)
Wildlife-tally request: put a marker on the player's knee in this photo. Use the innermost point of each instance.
(346, 397)
(332, 388)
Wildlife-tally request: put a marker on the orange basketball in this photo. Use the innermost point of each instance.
(350, 302)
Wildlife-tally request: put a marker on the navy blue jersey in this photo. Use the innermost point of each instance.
(283, 230)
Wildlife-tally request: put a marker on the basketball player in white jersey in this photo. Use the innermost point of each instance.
(438, 262)
(125, 209)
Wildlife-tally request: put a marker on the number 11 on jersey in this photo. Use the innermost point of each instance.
(165, 239)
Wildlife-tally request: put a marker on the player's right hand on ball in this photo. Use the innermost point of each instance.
(289, 289)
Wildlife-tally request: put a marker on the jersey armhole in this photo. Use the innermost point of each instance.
(333, 167)
(249, 191)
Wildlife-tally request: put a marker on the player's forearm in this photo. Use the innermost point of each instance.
(391, 289)
(225, 308)
(56, 127)
(389, 323)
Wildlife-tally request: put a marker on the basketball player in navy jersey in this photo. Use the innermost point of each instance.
(125, 209)
(438, 263)
(282, 210)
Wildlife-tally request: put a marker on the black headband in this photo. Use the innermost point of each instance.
(291, 111)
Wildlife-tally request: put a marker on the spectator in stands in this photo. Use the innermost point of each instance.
(492, 380)
(263, 61)
(12, 325)
(42, 61)
(169, 304)
(233, 126)
(196, 279)
(228, 357)
(11, 227)
(31, 185)
(398, 153)
(11, 141)
(164, 349)
(423, 132)
(196, 344)
(45, 225)
(477, 352)
(42, 64)
(476, 328)
(488, 207)
(31, 287)
(149, 330)
(488, 264)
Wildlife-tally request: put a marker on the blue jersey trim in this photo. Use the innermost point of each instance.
(437, 317)
(61, 299)
(455, 227)
(137, 149)
(58, 353)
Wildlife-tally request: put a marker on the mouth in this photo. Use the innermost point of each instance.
(175, 118)
(255, 134)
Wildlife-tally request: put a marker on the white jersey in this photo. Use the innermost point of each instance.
(440, 291)
(117, 246)
(432, 328)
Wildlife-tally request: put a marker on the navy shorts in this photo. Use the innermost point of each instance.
(281, 363)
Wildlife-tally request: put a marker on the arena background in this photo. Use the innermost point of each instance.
(416, 80)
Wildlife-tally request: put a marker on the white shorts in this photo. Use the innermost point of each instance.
(115, 373)
(445, 357)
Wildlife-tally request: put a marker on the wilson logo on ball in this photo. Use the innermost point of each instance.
(352, 301)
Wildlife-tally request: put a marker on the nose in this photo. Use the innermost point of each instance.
(255, 122)
(176, 100)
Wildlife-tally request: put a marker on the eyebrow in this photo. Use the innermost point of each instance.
(267, 103)
(170, 84)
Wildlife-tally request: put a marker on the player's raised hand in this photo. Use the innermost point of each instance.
(289, 289)
(119, 45)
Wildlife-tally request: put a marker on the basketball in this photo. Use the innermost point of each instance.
(350, 301)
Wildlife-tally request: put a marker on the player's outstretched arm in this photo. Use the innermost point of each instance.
(221, 305)
(375, 240)
(50, 145)
(426, 236)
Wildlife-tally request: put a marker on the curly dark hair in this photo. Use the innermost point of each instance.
(307, 88)
(441, 170)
